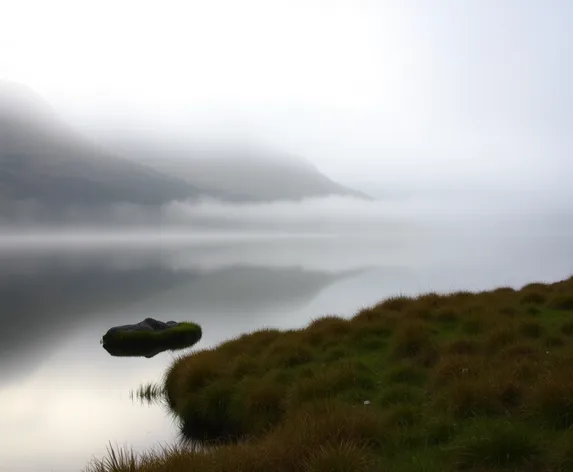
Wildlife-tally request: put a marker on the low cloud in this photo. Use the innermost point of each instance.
(331, 215)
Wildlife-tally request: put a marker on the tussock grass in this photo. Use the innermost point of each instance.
(326, 330)
(551, 398)
(453, 366)
(440, 382)
(149, 393)
(563, 453)
(401, 394)
(525, 350)
(407, 373)
(402, 415)
(496, 445)
(446, 315)
(533, 297)
(567, 328)
(473, 325)
(531, 329)
(414, 340)
(554, 341)
(467, 398)
(340, 378)
(337, 352)
(561, 302)
(396, 303)
(499, 339)
(344, 456)
(166, 458)
(463, 346)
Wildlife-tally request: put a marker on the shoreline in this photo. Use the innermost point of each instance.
(434, 382)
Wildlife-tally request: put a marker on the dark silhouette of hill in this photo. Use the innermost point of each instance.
(249, 171)
(43, 159)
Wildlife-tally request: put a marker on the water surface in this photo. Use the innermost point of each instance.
(63, 397)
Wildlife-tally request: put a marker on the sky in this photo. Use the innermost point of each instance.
(462, 93)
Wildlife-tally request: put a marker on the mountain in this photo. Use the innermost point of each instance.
(42, 159)
(257, 174)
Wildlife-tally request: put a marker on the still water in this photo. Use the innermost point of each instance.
(63, 398)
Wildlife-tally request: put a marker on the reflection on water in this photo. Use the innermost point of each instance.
(149, 393)
(63, 398)
(142, 351)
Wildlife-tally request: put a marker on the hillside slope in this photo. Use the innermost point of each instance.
(258, 174)
(43, 159)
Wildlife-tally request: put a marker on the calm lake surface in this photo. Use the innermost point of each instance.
(63, 398)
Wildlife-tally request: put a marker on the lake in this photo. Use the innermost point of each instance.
(63, 398)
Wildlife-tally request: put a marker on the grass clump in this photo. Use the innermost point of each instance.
(406, 373)
(561, 302)
(461, 381)
(567, 328)
(531, 329)
(326, 330)
(551, 398)
(554, 341)
(532, 297)
(463, 346)
(148, 393)
(344, 456)
(496, 445)
(344, 377)
(562, 454)
(453, 366)
(473, 325)
(499, 339)
(397, 303)
(414, 340)
(401, 394)
(402, 415)
(446, 315)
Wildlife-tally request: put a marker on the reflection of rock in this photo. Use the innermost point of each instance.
(147, 352)
(150, 337)
(55, 294)
(54, 300)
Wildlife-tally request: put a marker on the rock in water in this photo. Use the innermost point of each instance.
(148, 324)
(149, 337)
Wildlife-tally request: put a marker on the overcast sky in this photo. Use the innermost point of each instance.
(424, 91)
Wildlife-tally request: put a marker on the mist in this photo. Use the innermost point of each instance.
(255, 164)
(319, 216)
(387, 96)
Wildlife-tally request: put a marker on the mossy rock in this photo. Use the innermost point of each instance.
(150, 337)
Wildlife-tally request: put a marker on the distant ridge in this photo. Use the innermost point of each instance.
(41, 158)
(44, 159)
(257, 173)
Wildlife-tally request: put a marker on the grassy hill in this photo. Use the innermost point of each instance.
(464, 381)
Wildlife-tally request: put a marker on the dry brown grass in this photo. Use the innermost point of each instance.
(432, 383)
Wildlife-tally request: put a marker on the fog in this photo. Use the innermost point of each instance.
(392, 96)
(454, 116)
(332, 215)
